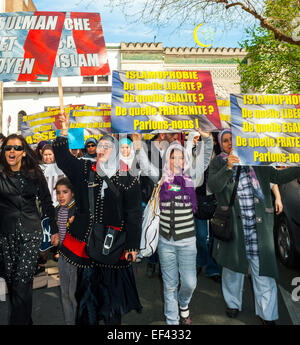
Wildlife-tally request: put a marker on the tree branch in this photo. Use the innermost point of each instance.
(280, 35)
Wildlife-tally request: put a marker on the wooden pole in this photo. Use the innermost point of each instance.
(61, 95)
(61, 98)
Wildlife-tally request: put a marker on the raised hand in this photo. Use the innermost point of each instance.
(137, 141)
(231, 160)
(63, 119)
(203, 134)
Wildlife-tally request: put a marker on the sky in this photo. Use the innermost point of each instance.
(117, 28)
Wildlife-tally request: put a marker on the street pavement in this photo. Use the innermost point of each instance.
(207, 306)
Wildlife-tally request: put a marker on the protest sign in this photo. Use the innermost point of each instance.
(82, 48)
(163, 101)
(224, 112)
(40, 126)
(31, 43)
(265, 129)
(95, 121)
(76, 138)
(44, 126)
(28, 44)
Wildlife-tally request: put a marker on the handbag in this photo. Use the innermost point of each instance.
(46, 241)
(45, 225)
(206, 206)
(221, 223)
(105, 244)
(150, 225)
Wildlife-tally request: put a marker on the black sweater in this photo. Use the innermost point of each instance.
(18, 196)
(124, 212)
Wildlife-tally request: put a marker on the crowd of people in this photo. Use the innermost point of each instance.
(106, 188)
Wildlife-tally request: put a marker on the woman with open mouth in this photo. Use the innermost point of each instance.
(24, 199)
(108, 206)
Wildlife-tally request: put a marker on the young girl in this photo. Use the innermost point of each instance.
(177, 242)
(67, 271)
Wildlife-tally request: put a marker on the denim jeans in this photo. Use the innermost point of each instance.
(68, 282)
(265, 291)
(173, 260)
(204, 249)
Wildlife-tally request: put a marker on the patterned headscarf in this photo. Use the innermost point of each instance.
(253, 178)
(112, 165)
(220, 138)
(183, 180)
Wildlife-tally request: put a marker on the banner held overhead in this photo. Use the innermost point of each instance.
(37, 45)
(266, 129)
(163, 101)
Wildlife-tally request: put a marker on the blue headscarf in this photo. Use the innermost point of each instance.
(125, 141)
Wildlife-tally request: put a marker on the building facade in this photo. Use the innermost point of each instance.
(32, 97)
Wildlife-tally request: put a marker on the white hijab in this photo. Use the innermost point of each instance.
(112, 165)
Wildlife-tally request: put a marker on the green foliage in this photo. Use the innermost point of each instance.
(281, 13)
(272, 65)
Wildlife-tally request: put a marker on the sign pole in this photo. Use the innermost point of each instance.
(61, 98)
(61, 95)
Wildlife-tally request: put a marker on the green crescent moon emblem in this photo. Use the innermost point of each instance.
(196, 38)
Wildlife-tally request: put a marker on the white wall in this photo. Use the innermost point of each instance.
(2, 5)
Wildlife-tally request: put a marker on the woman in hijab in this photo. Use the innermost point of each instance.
(252, 226)
(177, 242)
(104, 292)
(126, 153)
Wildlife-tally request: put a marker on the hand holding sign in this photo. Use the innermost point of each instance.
(231, 160)
(203, 134)
(64, 121)
(137, 141)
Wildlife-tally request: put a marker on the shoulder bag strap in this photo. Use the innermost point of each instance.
(91, 193)
(110, 184)
(235, 186)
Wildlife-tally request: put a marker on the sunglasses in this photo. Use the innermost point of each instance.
(90, 145)
(15, 147)
(104, 147)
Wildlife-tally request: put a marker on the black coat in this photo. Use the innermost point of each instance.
(124, 212)
(19, 204)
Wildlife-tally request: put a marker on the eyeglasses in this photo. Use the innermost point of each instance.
(90, 145)
(104, 147)
(15, 147)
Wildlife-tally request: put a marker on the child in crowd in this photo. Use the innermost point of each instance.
(67, 271)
